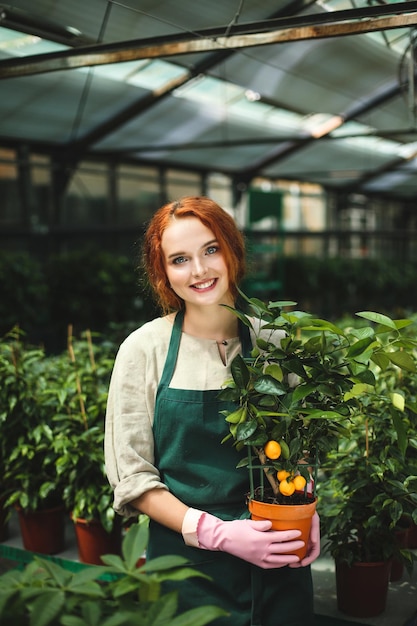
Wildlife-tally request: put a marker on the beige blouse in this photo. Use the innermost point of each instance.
(128, 445)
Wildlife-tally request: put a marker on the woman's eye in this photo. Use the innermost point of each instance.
(212, 249)
(178, 260)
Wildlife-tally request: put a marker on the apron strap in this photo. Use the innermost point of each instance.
(174, 343)
(244, 336)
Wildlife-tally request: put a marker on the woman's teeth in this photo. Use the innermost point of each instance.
(205, 285)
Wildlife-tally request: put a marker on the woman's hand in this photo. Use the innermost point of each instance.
(313, 546)
(252, 541)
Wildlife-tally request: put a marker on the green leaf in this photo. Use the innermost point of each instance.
(401, 432)
(57, 573)
(380, 358)
(135, 542)
(319, 414)
(162, 563)
(366, 376)
(274, 370)
(240, 372)
(359, 347)
(162, 611)
(323, 325)
(357, 390)
(280, 304)
(231, 394)
(269, 385)
(402, 359)
(262, 343)
(378, 318)
(47, 607)
(295, 367)
(302, 391)
(398, 401)
(246, 430)
(198, 617)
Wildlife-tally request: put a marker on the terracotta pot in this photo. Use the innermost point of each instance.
(362, 588)
(43, 531)
(93, 540)
(412, 536)
(4, 525)
(397, 567)
(286, 517)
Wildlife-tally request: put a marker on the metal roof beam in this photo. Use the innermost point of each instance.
(143, 104)
(352, 22)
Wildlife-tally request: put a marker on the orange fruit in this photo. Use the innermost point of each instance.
(299, 483)
(272, 449)
(286, 487)
(282, 475)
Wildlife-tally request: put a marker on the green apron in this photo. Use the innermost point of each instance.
(201, 471)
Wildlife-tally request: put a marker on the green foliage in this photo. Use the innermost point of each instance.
(24, 291)
(307, 382)
(89, 288)
(116, 594)
(366, 493)
(27, 417)
(52, 412)
(368, 490)
(335, 286)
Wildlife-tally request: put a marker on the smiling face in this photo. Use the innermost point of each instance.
(194, 263)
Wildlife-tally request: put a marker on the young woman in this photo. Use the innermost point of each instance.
(164, 428)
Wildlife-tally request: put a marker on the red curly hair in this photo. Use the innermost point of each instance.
(215, 218)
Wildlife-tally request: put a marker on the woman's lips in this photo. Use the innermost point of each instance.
(207, 284)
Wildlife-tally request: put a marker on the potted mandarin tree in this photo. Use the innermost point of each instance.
(307, 380)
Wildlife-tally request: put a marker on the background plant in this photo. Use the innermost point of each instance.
(52, 410)
(27, 425)
(366, 494)
(87, 492)
(369, 487)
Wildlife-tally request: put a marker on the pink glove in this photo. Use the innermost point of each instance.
(249, 540)
(313, 546)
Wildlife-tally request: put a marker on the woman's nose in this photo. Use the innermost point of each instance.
(198, 268)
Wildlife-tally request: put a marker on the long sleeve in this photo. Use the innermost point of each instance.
(129, 449)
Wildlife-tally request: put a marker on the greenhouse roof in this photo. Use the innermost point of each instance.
(321, 91)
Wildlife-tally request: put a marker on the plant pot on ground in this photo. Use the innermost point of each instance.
(365, 496)
(28, 439)
(52, 424)
(307, 380)
(98, 529)
(87, 494)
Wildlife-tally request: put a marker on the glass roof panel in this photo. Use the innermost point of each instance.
(209, 90)
(155, 74)
(21, 44)
(365, 141)
(396, 39)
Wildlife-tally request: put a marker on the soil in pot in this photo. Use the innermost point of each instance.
(43, 531)
(93, 540)
(286, 516)
(362, 588)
